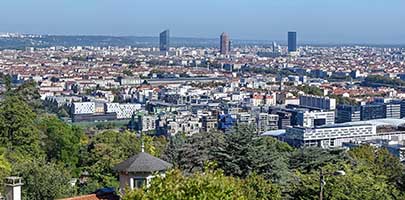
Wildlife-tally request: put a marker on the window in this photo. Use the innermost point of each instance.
(139, 182)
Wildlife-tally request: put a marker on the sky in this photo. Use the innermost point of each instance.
(316, 21)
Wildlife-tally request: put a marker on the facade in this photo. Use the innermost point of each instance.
(83, 108)
(369, 112)
(402, 109)
(164, 41)
(266, 122)
(324, 103)
(312, 119)
(284, 119)
(292, 41)
(393, 110)
(327, 136)
(124, 111)
(146, 123)
(99, 117)
(225, 44)
(209, 123)
(348, 113)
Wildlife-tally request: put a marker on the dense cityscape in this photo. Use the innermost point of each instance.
(312, 106)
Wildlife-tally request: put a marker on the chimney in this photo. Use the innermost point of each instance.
(13, 188)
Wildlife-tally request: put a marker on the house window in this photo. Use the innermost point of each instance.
(139, 182)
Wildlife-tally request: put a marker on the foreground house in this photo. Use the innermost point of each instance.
(139, 170)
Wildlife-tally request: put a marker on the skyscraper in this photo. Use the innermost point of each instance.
(165, 40)
(292, 41)
(225, 44)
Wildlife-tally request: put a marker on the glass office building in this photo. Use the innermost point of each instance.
(292, 41)
(165, 40)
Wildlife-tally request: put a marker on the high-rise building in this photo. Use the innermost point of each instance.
(225, 44)
(292, 41)
(348, 113)
(165, 40)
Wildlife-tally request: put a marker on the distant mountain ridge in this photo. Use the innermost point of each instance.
(17, 42)
(21, 41)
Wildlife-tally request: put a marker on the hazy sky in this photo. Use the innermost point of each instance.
(370, 21)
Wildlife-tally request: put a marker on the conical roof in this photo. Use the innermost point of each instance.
(143, 162)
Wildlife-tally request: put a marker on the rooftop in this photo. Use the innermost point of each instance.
(142, 162)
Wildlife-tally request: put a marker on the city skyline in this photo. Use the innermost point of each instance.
(316, 21)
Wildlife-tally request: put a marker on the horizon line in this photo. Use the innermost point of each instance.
(303, 42)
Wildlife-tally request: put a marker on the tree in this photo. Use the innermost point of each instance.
(107, 149)
(61, 142)
(171, 153)
(379, 161)
(311, 90)
(234, 159)
(43, 180)
(308, 159)
(5, 166)
(269, 158)
(18, 131)
(245, 152)
(199, 149)
(128, 72)
(207, 185)
(358, 183)
(29, 93)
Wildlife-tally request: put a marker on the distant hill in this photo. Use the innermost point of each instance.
(68, 41)
(22, 41)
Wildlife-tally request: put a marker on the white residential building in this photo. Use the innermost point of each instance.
(83, 108)
(124, 111)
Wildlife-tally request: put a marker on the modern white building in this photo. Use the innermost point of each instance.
(328, 136)
(311, 119)
(83, 108)
(124, 111)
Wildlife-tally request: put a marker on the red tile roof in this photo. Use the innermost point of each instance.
(85, 197)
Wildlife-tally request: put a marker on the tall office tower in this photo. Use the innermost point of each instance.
(292, 41)
(274, 47)
(165, 40)
(225, 44)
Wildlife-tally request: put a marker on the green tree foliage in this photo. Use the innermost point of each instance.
(245, 152)
(344, 100)
(372, 79)
(128, 72)
(171, 152)
(379, 162)
(308, 159)
(199, 149)
(29, 93)
(208, 185)
(358, 183)
(5, 166)
(269, 158)
(18, 130)
(311, 90)
(43, 180)
(61, 142)
(107, 149)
